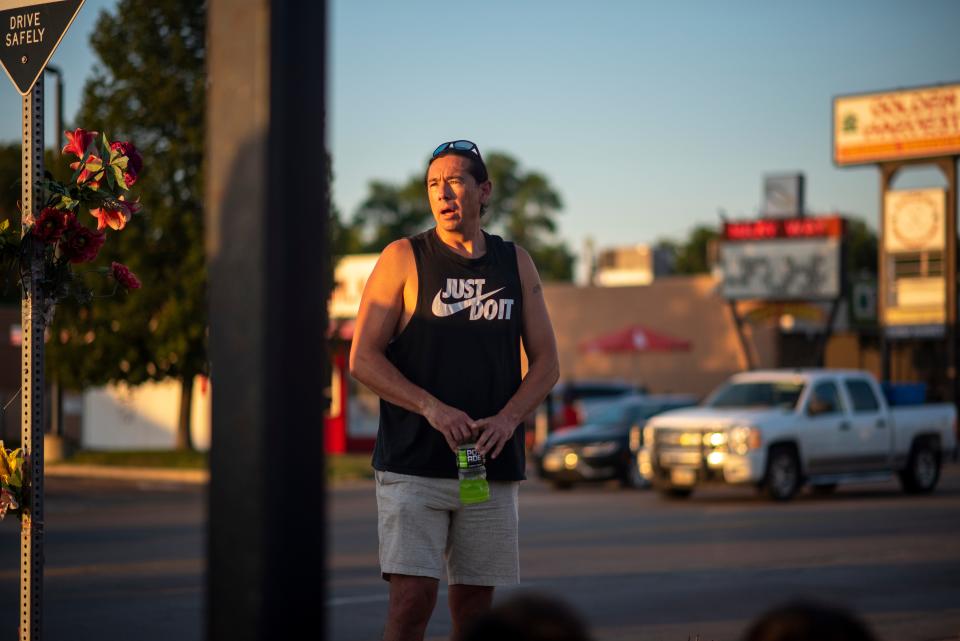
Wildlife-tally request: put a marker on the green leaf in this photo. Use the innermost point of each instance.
(118, 174)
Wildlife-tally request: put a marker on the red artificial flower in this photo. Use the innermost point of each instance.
(81, 244)
(51, 224)
(113, 217)
(123, 275)
(78, 141)
(134, 161)
(88, 175)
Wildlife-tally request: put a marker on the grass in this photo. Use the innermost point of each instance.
(340, 467)
(170, 459)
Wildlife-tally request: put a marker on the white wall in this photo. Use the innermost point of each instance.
(122, 417)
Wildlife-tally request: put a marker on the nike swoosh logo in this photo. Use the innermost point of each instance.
(442, 309)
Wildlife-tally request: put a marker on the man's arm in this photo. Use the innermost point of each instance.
(381, 308)
(543, 364)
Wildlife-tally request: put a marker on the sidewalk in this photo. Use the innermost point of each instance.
(191, 477)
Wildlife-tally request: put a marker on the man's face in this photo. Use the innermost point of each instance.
(455, 197)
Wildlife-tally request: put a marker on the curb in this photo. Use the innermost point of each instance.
(68, 470)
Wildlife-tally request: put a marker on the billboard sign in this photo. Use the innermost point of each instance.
(783, 196)
(896, 125)
(915, 220)
(914, 244)
(795, 269)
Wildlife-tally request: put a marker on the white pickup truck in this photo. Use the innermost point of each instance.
(778, 429)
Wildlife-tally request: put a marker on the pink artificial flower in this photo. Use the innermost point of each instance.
(81, 244)
(133, 206)
(134, 161)
(78, 141)
(51, 224)
(122, 274)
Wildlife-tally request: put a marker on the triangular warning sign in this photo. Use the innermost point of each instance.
(30, 31)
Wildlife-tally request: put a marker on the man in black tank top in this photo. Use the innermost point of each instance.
(438, 337)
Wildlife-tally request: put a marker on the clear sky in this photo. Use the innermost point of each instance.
(647, 117)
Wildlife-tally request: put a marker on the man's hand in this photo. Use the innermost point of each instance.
(495, 432)
(456, 426)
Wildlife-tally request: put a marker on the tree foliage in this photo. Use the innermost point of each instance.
(861, 248)
(148, 88)
(692, 255)
(523, 208)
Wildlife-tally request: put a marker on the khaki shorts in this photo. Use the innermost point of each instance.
(422, 523)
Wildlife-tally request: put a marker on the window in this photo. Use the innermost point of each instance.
(862, 396)
(782, 394)
(825, 399)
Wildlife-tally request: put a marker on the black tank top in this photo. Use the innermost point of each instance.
(463, 346)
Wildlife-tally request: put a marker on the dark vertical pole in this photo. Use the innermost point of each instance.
(887, 171)
(56, 392)
(32, 324)
(297, 363)
(744, 346)
(267, 243)
(949, 168)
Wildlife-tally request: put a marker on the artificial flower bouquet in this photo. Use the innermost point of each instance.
(11, 481)
(104, 172)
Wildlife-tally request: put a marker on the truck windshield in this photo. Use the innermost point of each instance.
(783, 394)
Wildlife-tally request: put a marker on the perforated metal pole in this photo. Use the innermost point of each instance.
(31, 526)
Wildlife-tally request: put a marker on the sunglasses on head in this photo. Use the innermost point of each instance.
(462, 145)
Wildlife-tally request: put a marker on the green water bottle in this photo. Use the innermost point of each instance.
(473, 475)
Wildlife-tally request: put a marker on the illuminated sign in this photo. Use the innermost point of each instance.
(821, 227)
(914, 123)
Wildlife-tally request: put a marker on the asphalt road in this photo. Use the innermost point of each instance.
(125, 560)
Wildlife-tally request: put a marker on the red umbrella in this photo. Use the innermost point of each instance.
(634, 339)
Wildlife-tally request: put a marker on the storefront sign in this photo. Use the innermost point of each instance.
(895, 125)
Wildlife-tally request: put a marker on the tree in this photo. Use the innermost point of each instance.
(522, 208)
(861, 248)
(149, 88)
(692, 255)
(390, 212)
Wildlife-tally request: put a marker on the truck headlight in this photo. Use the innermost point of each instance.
(715, 439)
(600, 449)
(744, 438)
(635, 439)
(648, 436)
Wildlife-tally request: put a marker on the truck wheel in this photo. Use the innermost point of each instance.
(673, 493)
(782, 479)
(923, 469)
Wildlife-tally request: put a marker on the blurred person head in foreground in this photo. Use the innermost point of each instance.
(528, 617)
(808, 621)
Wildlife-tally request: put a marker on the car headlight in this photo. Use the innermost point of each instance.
(600, 449)
(635, 439)
(648, 436)
(744, 438)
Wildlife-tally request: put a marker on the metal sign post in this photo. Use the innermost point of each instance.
(29, 34)
(31, 525)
